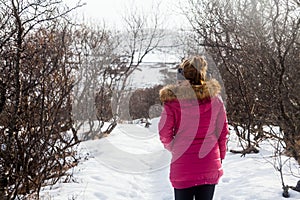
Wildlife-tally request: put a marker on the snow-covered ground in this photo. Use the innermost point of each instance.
(131, 164)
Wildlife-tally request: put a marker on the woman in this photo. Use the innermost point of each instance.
(193, 127)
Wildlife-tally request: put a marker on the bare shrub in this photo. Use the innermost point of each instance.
(37, 147)
(142, 100)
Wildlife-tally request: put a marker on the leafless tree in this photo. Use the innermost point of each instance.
(107, 60)
(99, 70)
(36, 82)
(256, 47)
(142, 35)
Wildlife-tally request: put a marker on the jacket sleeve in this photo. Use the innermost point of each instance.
(166, 126)
(222, 128)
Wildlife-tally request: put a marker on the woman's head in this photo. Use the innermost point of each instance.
(194, 70)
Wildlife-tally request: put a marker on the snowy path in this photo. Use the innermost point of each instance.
(131, 164)
(134, 159)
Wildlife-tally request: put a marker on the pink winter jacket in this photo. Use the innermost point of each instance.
(193, 127)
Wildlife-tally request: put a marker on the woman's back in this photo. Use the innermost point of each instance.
(195, 151)
(193, 127)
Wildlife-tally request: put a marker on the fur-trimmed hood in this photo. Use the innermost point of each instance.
(208, 90)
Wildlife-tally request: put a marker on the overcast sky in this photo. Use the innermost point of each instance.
(111, 11)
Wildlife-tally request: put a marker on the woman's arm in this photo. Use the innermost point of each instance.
(223, 131)
(166, 126)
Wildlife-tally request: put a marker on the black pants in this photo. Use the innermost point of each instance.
(201, 192)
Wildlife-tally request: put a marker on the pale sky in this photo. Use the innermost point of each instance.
(111, 11)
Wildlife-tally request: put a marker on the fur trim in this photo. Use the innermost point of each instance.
(208, 90)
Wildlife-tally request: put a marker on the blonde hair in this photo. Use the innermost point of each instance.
(194, 70)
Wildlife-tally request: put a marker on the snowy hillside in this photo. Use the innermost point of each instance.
(149, 73)
(131, 164)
